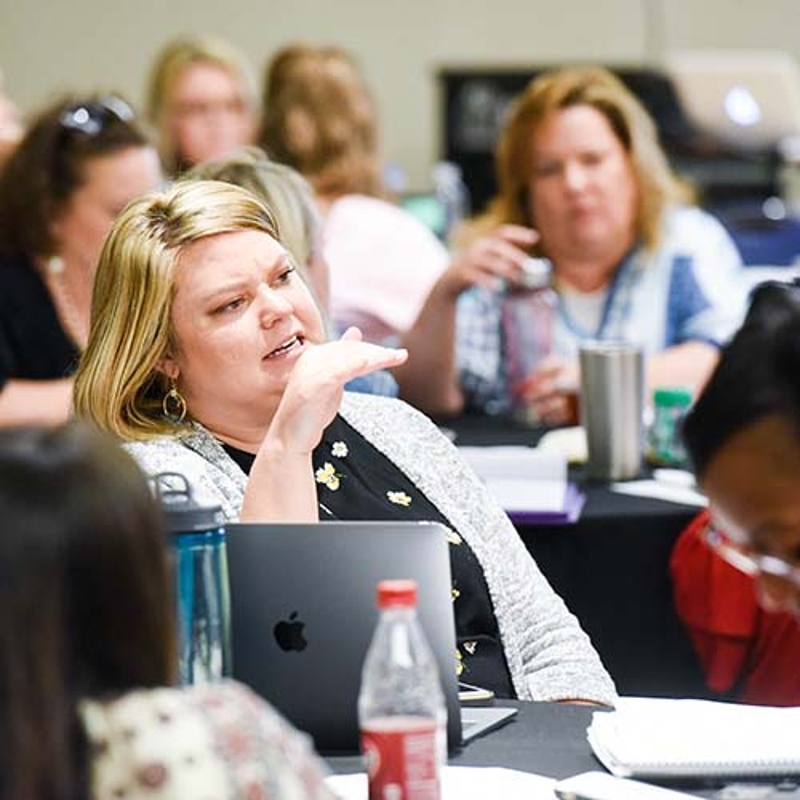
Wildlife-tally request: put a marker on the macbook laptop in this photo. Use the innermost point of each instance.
(303, 613)
(746, 98)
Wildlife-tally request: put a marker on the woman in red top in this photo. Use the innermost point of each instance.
(744, 438)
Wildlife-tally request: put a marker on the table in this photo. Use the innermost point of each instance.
(611, 568)
(545, 738)
(549, 739)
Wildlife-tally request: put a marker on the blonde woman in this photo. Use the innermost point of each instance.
(289, 197)
(201, 101)
(584, 182)
(208, 355)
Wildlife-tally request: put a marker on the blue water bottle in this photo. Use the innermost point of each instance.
(201, 580)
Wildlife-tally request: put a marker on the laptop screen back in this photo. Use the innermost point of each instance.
(303, 613)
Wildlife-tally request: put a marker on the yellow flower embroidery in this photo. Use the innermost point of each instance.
(327, 476)
(456, 594)
(459, 663)
(339, 450)
(399, 498)
(453, 537)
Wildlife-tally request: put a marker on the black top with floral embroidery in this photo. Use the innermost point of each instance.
(355, 481)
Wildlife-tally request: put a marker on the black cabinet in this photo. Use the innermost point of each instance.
(474, 102)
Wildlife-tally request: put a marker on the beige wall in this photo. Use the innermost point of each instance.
(48, 46)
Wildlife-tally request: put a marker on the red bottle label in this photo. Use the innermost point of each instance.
(401, 758)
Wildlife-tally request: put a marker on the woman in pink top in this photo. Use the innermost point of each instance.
(320, 119)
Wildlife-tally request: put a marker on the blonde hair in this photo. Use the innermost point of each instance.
(118, 385)
(285, 192)
(289, 197)
(659, 188)
(319, 118)
(170, 64)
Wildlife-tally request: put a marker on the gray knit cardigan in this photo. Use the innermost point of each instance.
(548, 655)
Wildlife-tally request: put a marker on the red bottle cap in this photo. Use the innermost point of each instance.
(397, 594)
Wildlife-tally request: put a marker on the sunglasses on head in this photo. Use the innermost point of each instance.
(91, 117)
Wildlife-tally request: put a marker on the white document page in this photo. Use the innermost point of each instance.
(659, 490)
(463, 783)
(521, 478)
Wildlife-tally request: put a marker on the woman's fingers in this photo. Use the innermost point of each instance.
(335, 363)
(518, 234)
(352, 334)
(499, 256)
(551, 389)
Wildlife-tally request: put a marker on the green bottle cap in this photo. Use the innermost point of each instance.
(673, 397)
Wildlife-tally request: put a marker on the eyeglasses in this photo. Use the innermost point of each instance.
(91, 118)
(740, 556)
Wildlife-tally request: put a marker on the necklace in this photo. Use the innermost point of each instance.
(74, 323)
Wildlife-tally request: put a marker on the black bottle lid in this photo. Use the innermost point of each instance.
(182, 512)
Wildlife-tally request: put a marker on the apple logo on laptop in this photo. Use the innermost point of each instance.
(289, 634)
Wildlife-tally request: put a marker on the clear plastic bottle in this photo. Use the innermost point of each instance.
(401, 706)
(528, 319)
(452, 194)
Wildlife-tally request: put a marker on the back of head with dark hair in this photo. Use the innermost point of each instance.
(758, 375)
(48, 167)
(85, 599)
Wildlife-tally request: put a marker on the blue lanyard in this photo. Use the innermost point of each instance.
(622, 285)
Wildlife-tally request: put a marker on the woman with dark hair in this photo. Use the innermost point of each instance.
(744, 438)
(10, 127)
(78, 165)
(87, 645)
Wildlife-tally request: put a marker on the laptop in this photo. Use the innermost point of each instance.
(749, 99)
(303, 613)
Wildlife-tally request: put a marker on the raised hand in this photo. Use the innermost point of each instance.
(499, 256)
(314, 391)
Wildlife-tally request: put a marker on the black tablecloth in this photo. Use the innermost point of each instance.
(545, 738)
(611, 568)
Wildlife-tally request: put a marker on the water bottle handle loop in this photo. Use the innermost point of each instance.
(166, 490)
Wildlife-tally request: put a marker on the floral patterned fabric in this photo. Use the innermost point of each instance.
(213, 742)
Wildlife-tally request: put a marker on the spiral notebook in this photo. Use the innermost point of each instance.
(658, 738)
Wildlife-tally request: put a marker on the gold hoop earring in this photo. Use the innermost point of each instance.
(173, 405)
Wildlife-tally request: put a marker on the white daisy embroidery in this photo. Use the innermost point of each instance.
(399, 498)
(339, 450)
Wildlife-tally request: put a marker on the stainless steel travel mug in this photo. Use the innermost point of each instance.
(612, 405)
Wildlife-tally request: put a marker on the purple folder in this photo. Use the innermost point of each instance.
(574, 499)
